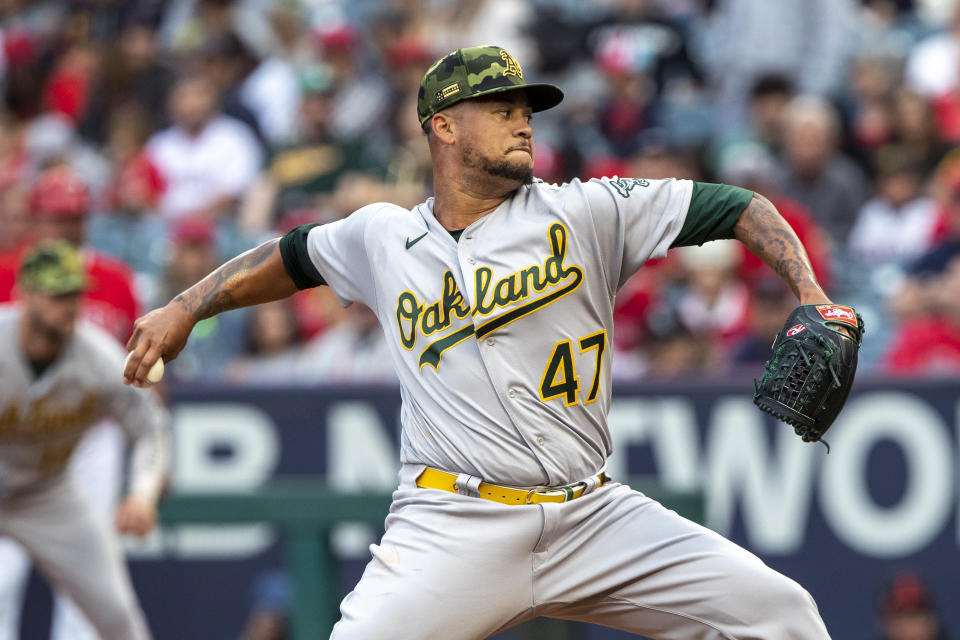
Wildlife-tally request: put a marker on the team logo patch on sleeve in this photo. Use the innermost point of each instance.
(795, 329)
(838, 313)
(625, 185)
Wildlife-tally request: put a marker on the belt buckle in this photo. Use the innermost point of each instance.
(566, 490)
(530, 494)
(540, 489)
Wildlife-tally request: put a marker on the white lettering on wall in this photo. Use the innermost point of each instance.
(773, 487)
(773, 484)
(922, 512)
(360, 457)
(226, 447)
(770, 478)
(670, 427)
(360, 454)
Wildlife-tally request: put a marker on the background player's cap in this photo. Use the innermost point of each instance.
(477, 71)
(53, 267)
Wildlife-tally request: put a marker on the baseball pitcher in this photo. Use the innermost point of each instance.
(497, 296)
(55, 384)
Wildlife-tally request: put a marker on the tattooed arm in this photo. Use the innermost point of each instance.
(764, 231)
(254, 277)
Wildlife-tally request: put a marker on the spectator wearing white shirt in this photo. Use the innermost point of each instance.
(207, 159)
(272, 90)
(899, 223)
(932, 65)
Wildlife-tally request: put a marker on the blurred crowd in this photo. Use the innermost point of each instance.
(168, 136)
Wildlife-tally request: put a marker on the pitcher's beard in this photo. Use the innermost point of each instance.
(522, 173)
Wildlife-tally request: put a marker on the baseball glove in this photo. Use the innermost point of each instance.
(814, 360)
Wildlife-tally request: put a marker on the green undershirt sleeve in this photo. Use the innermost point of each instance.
(296, 259)
(714, 210)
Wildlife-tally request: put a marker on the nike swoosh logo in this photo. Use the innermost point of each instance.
(410, 242)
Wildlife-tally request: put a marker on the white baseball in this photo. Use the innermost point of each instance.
(156, 372)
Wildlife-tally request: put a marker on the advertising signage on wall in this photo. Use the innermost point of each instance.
(884, 499)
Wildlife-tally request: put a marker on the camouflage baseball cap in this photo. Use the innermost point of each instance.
(54, 268)
(477, 71)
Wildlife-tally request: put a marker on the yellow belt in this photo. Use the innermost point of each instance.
(436, 479)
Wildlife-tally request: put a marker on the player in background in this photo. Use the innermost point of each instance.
(57, 385)
(58, 204)
(496, 297)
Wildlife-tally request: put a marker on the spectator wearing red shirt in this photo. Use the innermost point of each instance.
(68, 87)
(59, 203)
(946, 110)
(930, 344)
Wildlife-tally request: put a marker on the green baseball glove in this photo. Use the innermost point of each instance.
(814, 360)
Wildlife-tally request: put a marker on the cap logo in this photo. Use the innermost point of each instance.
(513, 67)
(447, 91)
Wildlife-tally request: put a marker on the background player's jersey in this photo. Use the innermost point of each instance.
(42, 418)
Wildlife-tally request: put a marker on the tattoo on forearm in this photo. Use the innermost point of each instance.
(217, 292)
(769, 236)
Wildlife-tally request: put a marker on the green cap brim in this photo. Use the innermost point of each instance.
(541, 96)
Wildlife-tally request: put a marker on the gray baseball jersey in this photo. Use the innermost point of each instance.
(501, 339)
(42, 419)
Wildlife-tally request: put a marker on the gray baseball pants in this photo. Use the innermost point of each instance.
(74, 549)
(458, 567)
